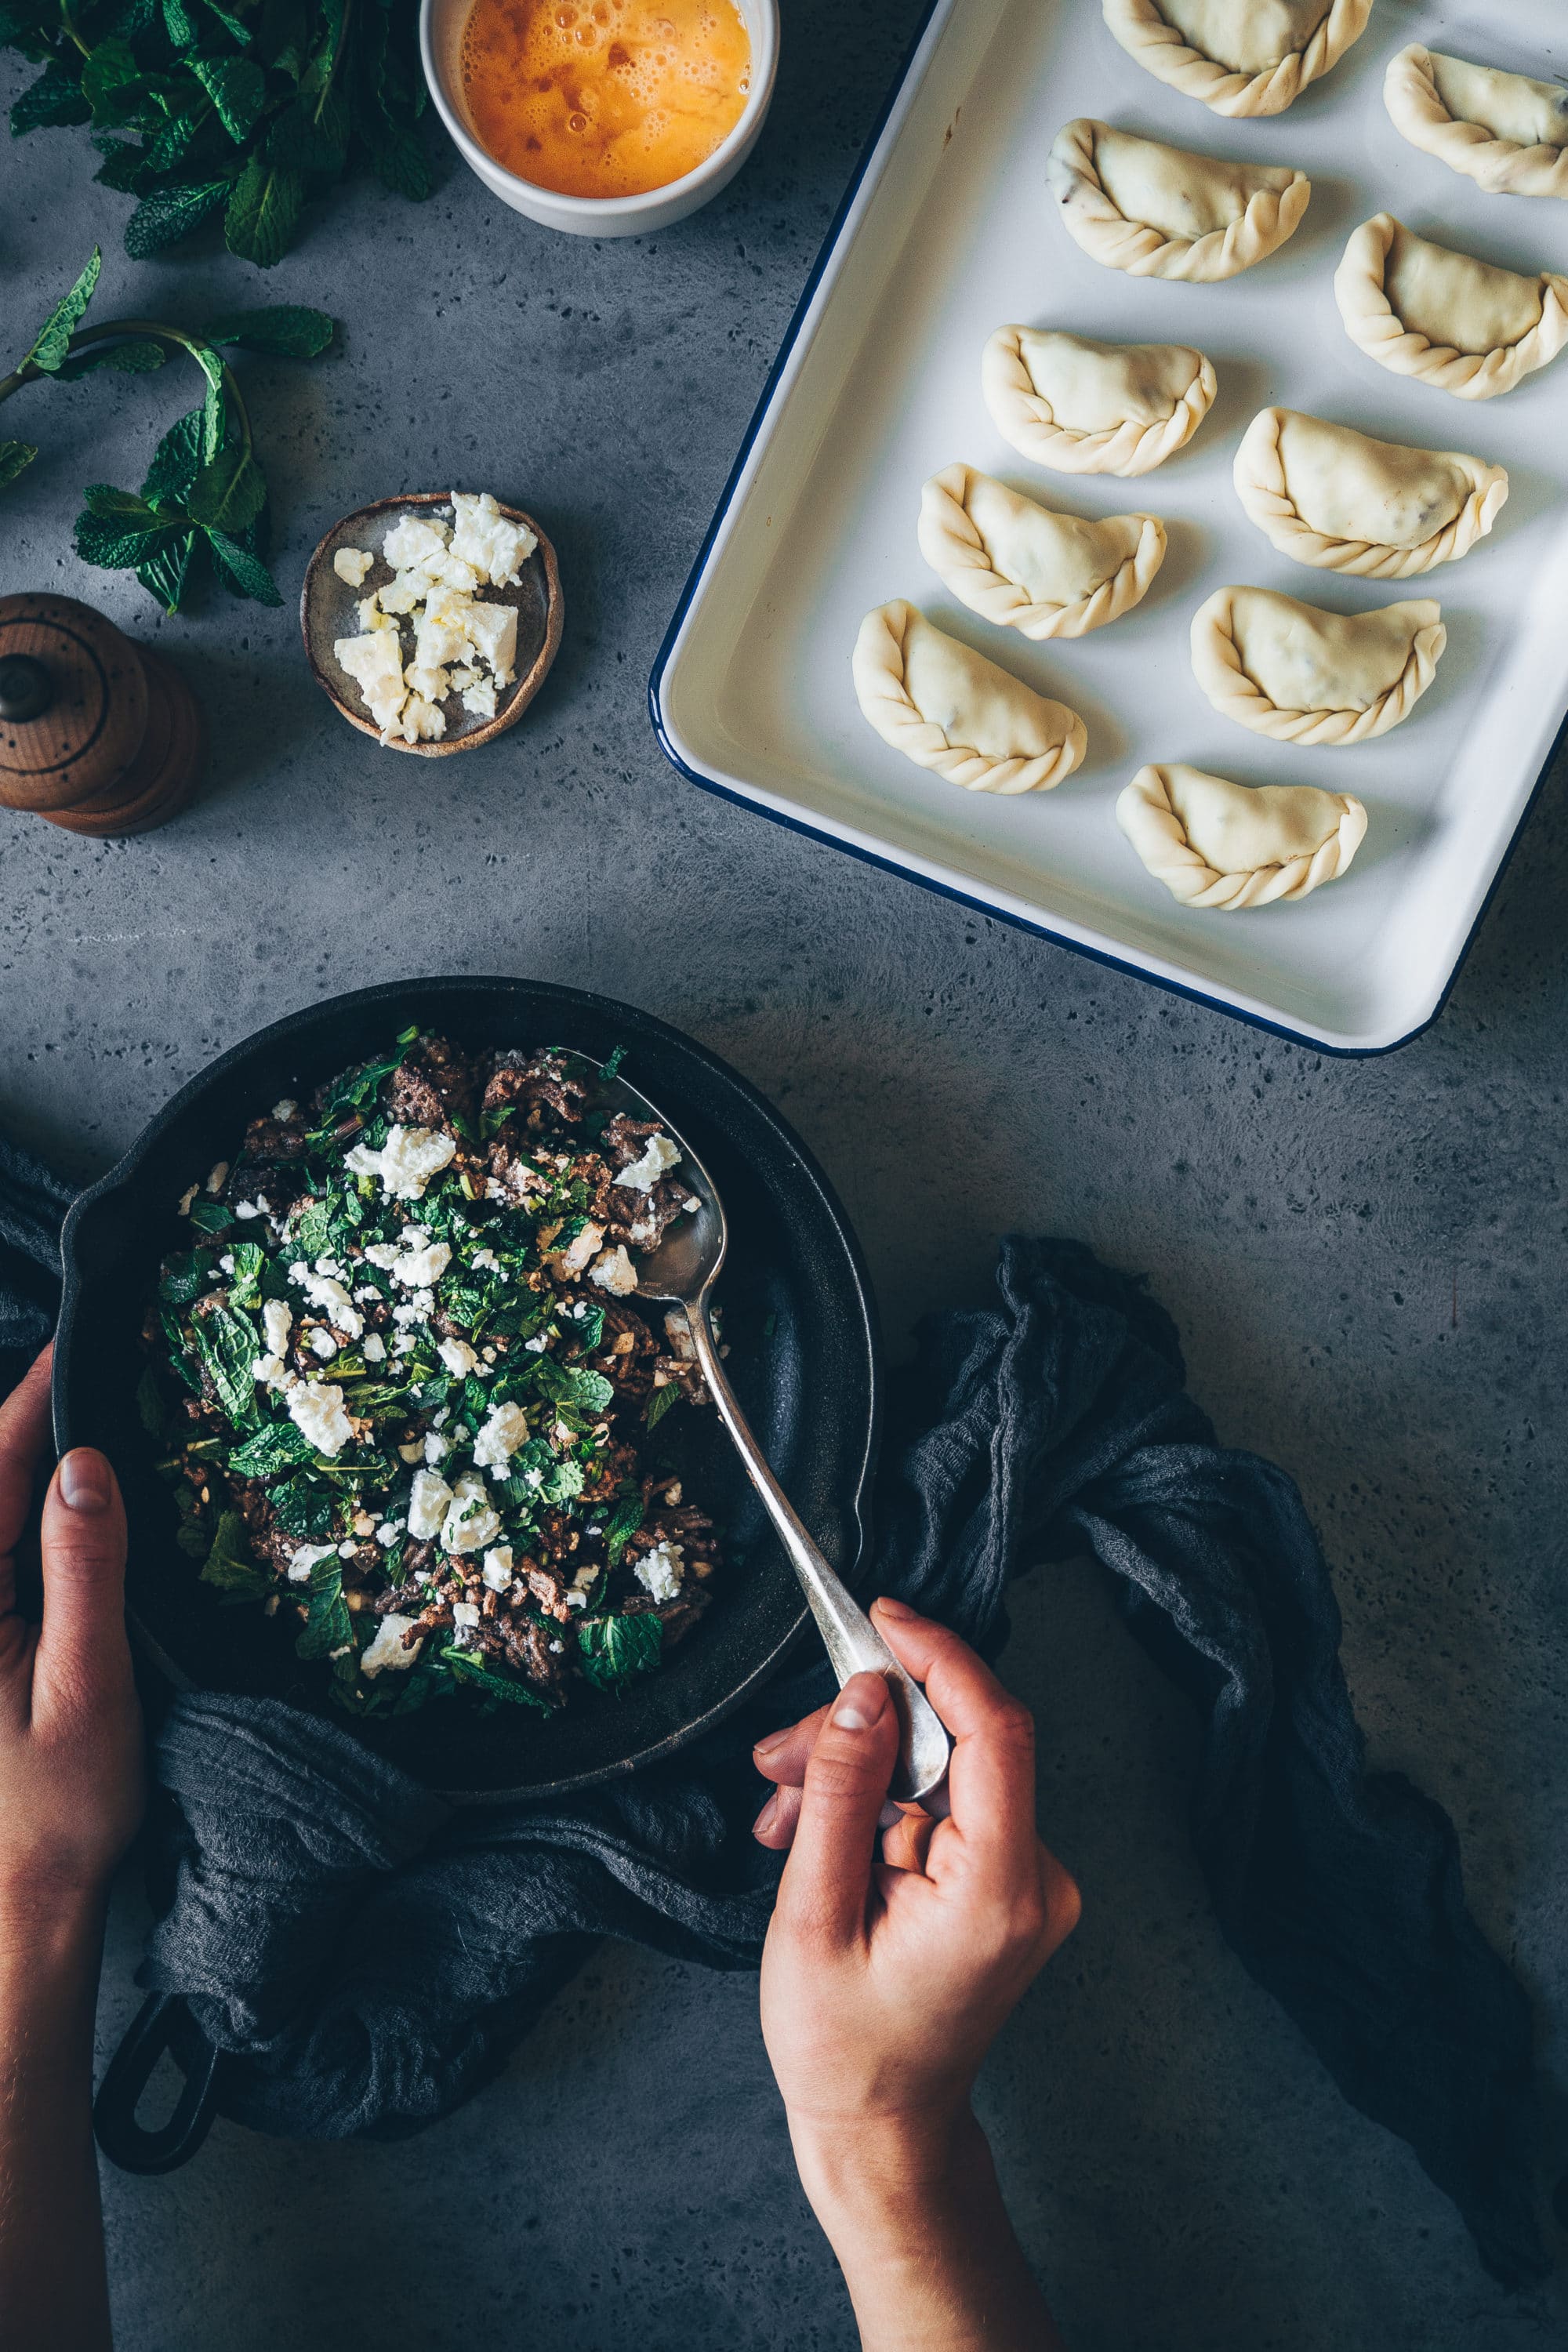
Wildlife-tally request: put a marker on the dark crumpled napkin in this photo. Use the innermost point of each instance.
(365, 1957)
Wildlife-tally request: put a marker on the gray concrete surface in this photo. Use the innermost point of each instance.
(1366, 1261)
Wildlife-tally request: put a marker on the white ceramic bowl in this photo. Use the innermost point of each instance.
(441, 24)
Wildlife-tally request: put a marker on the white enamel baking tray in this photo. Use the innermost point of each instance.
(947, 232)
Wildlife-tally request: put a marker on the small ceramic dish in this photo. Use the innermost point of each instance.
(327, 612)
(442, 24)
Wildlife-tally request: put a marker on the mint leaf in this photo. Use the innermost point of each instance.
(263, 211)
(111, 547)
(228, 1345)
(468, 1666)
(611, 1650)
(107, 71)
(135, 357)
(304, 1510)
(237, 89)
(176, 461)
(231, 23)
(53, 336)
(166, 150)
(242, 574)
(622, 1525)
(659, 1403)
(15, 456)
(245, 1283)
(50, 102)
(285, 328)
(104, 499)
(179, 23)
(590, 1393)
(171, 212)
(329, 1624)
(166, 573)
(228, 493)
(123, 168)
(229, 1565)
(402, 163)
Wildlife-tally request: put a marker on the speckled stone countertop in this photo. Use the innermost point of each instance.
(1367, 1260)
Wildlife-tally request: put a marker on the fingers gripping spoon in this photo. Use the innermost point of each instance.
(681, 1272)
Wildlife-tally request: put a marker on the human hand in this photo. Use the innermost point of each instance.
(885, 1978)
(71, 1777)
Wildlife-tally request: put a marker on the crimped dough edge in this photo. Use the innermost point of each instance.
(1024, 418)
(1218, 666)
(1163, 50)
(951, 541)
(1096, 224)
(1148, 818)
(1375, 328)
(1500, 167)
(1261, 486)
(878, 671)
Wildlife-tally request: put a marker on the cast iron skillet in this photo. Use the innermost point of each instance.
(798, 1319)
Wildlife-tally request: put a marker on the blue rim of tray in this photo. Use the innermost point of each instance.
(886, 865)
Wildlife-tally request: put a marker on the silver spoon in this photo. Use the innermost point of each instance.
(681, 1272)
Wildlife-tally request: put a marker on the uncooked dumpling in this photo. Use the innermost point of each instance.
(1304, 676)
(1505, 132)
(1085, 407)
(1422, 310)
(1215, 844)
(1240, 57)
(1028, 568)
(946, 708)
(1159, 212)
(1337, 498)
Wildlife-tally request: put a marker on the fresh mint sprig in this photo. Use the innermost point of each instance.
(204, 497)
(249, 106)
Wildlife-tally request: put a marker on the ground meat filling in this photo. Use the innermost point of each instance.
(405, 1398)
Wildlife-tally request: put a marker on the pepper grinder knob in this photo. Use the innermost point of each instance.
(26, 688)
(97, 734)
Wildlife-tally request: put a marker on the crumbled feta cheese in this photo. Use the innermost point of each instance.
(486, 1260)
(430, 685)
(417, 1268)
(186, 1197)
(458, 1356)
(470, 1524)
(382, 1253)
(318, 1413)
(387, 1649)
(386, 1535)
(276, 1322)
(581, 1248)
(481, 700)
(437, 1447)
(678, 1331)
(374, 1347)
(412, 542)
(352, 563)
(419, 722)
(226, 1264)
(406, 1163)
(285, 1111)
(502, 1434)
(484, 537)
(492, 630)
(615, 1271)
(497, 1569)
(305, 1559)
(443, 1417)
(440, 637)
(659, 1155)
(661, 1570)
(219, 1177)
(246, 1210)
(427, 1504)
(374, 662)
(347, 1548)
(322, 1343)
(536, 1346)
(324, 1291)
(464, 1613)
(371, 616)
(405, 595)
(272, 1372)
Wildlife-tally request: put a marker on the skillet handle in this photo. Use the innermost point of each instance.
(122, 2140)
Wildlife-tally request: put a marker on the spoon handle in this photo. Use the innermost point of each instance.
(853, 1643)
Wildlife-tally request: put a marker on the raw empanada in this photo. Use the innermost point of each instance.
(1337, 500)
(1506, 132)
(1423, 311)
(946, 708)
(1160, 211)
(1304, 676)
(1028, 568)
(1215, 844)
(1240, 57)
(1085, 407)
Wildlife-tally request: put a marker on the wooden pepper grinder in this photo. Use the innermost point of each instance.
(97, 734)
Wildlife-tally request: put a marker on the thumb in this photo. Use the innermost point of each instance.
(825, 1882)
(82, 1649)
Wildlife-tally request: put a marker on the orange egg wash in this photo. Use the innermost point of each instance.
(605, 97)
